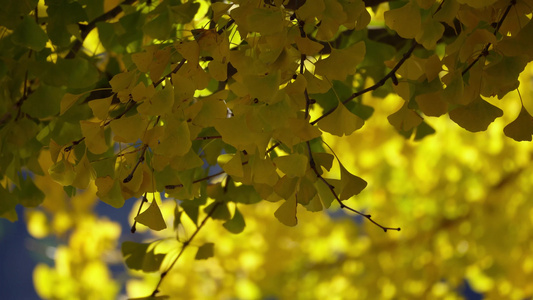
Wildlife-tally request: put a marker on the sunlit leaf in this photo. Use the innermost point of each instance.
(94, 137)
(152, 217)
(293, 165)
(341, 122)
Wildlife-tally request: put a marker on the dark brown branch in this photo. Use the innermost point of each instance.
(176, 69)
(185, 244)
(485, 50)
(139, 161)
(134, 226)
(378, 84)
(87, 28)
(174, 186)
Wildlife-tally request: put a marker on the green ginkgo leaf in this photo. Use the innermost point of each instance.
(29, 34)
(475, 116)
(341, 122)
(152, 217)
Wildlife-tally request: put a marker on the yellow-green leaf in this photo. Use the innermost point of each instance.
(94, 137)
(236, 224)
(404, 119)
(293, 165)
(341, 62)
(67, 101)
(341, 121)
(84, 173)
(129, 129)
(286, 213)
(231, 164)
(62, 172)
(406, 20)
(152, 217)
(160, 104)
(100, 107)
(476, 116)
(109, 191)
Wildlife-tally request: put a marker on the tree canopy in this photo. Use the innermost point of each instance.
(247, 111)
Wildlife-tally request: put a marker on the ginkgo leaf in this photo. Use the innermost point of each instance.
(122, 81)
(286, 213)
(311, 9)
(189, 50)
(152, 217)
(286, 186)
(307, 46)
(265, 21)
(205, 251)
(476, 116)
(218, 70)
(350, 185)
(521, 129)
(406, 20)
(141, 92)
(404, 119)
(94, 137)
(306, 191)
(62, 172)
(264, 171)
(129, 129)
(100, 107)
(221, 211)
(189, 161)
(142, 60)
(140, 256)
(236, 224)
(109, 191)
(231, 164)
(332, 17)
(176, 139)
(160, 104)
(67, 102)
(55, 149)
(430, 34)
(262, 87)
(29, 34)
(341, 122)
(293, 165)
(432, 104)
(84, 173)
(341, 62)
(502, 77)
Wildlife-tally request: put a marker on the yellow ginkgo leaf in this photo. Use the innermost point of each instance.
(189, 50)
(62, 172)
(262, 87)
(84, 173)
(176, 140)
(143, 60)
(307, 46)
(152, 217)
(100, 107)
(231, 164)
(341, 62)
(129, 129)
(406, 20)
(109, 191)
(475, 116)
(94, 137)
(293, 165)
(521, 128)
(286, 213)
(160, 104)
(55, 149)
(405, 119)
(432, 104)
(341, 121)
(351, 185)
(218, 70)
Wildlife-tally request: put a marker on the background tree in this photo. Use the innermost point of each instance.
(216, 105)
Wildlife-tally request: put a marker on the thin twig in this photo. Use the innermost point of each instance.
(332, 189)
(176, 69)
(134, 226)
(139, 161)
(174, 186)
(485, 50)
(185, 244)
(378, 84)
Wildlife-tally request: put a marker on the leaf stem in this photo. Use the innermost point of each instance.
(139, 161)
(485, 50)
(134, 226)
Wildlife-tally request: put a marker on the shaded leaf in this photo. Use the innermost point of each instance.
(521, 128)
(236, 224)
(476, 116)
(286, 213)
(205, 251)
